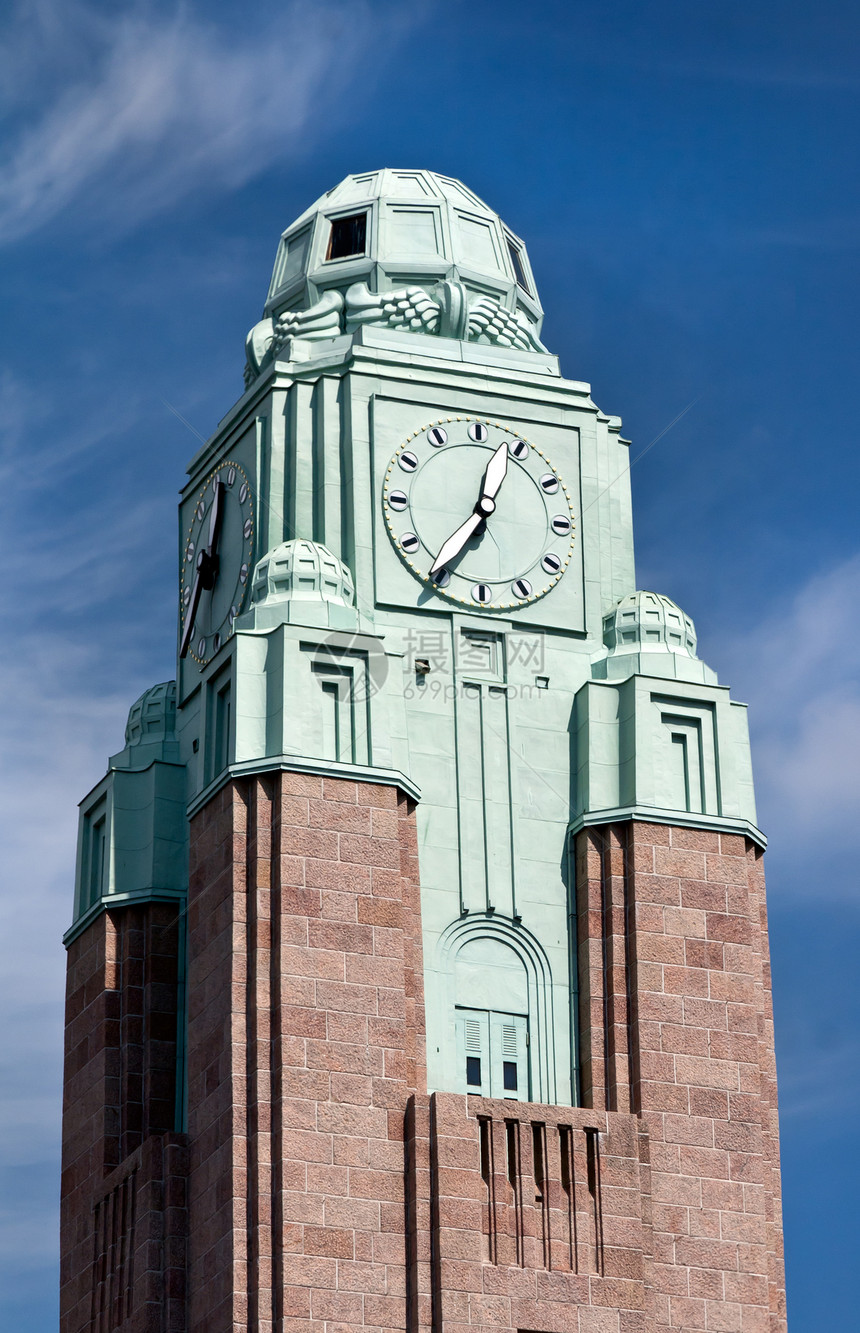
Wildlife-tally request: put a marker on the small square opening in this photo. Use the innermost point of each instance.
(509, 1075)
(348, 237)
(473, 1071)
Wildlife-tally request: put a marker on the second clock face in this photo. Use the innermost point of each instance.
(220, 602)
(478, 513)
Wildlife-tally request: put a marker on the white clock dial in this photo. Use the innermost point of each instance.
(478, 513)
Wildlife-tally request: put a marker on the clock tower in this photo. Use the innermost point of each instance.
(418, 975)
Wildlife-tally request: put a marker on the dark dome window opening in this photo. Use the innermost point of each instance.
(519, 271)
(348, 237)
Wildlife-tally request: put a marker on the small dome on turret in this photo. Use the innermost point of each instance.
(648, 622)
(152, 717)
(150, 732)
(647, 634)
(302, 570)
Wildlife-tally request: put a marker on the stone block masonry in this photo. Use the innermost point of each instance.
(305, 1041)
(321, 1189)
(525, 1217)
(677, 1028)
(122, 1191)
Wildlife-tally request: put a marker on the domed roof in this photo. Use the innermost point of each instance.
(648, 622)
(152, 717)
(394, 228)
(302, 570)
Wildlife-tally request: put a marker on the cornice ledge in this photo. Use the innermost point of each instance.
(647, 814)
(108, 901)
(287, 763)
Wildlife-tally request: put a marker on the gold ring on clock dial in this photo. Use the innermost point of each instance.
(505, 535)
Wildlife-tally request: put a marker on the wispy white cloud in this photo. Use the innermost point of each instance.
(49, 432)
(171, 103)
(72, 547)
(55, 734)
(800, 673)
(76, 525)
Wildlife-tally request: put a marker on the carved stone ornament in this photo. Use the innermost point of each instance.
(408, 308)
(491, 322)
(412, 309)
(449, 316)
(322, 320)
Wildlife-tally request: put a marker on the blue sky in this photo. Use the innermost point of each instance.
(685, 176)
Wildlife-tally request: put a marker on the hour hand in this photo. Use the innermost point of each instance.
(450, 549)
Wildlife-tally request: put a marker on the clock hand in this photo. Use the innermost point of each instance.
(455, 543)
(207, 566)
(491, 483)
(207, 561)
(191, 613)
(217, 515)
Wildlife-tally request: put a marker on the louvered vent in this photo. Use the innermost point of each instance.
(509, 1039)
(473, 1035)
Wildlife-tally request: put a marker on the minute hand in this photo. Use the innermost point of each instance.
(455, 543)
(491, 482)
(191, 614)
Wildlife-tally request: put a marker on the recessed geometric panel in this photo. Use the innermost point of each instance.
(476, 243)
(413, 231)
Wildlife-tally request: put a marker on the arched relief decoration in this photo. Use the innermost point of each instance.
(523, 987)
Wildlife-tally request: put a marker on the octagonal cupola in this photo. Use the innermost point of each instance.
(412, 252)
(392, 228)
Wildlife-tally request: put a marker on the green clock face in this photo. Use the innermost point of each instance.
(478, 513)
(216, 562)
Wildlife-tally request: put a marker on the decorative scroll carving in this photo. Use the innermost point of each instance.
(322, 320)
(258, 346)
(412, 309)
(490, 320)
(407, 308)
